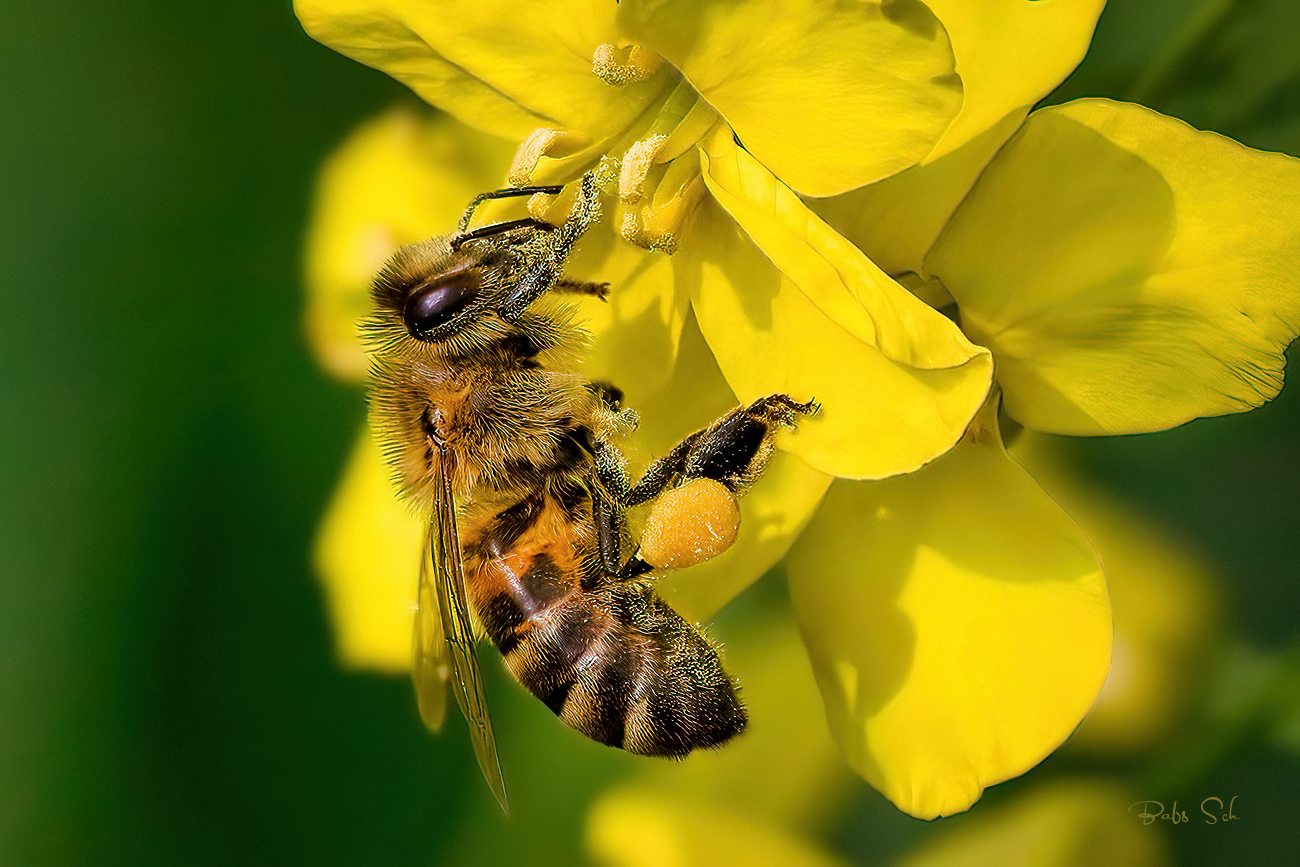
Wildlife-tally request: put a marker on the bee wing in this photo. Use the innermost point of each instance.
(448, 584)
(430, 662)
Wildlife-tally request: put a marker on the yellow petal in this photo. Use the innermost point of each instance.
(772, 512)
(503, 67)
(367, 555)
(895, 221)
(635, 332)
(1010, 54)
(1080, 823)
(799, 310)
(633, 828)
(1161, 598)
(397, 179)
(957, 622)
(829, 96)
(1129, 272)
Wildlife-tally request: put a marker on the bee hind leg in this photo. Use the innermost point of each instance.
(615, 494)
(736, 448)
(733, 451)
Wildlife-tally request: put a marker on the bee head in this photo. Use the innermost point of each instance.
(436, 303)
(439, 296)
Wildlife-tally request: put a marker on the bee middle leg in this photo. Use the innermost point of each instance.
(733, 451)
(581, 287)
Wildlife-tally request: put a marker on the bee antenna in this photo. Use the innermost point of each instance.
(497, 229)
(506, 193)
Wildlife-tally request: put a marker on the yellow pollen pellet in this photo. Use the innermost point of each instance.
(690, 524)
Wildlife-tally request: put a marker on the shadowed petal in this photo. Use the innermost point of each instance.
(895, 221)
(957, 622)
(636, 330)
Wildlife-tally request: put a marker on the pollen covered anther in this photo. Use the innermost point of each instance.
(635, 169)
(542, 143)
(690, 524)
(619, 65)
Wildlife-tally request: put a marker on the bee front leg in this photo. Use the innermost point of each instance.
(544, 273)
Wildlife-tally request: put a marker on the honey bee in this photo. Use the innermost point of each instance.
(490, 429)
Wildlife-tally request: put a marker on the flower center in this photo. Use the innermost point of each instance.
(653, 170)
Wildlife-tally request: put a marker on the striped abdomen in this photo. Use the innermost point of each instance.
(611, 659)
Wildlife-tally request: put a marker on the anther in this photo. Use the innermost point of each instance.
(554, 143)
(621, 65)
(636, 167)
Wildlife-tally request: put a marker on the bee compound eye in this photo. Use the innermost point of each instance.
(437, 302)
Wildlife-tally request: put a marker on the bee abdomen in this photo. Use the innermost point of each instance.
(620, 666)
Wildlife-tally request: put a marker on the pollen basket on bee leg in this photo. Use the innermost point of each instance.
(690, 524)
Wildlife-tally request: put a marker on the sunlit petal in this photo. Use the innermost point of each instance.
(506, 68)
(1129, 272)
(957, 621)
(799, 310)
(367, 555)
(1010, 54)
(830, 96)
(772, 513)
(397, 179)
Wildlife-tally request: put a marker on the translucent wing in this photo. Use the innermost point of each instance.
(430, 663)
(441, 576)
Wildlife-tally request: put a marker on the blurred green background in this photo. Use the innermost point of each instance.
(167, 687)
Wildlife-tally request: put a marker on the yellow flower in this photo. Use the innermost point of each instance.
(825, 96)
(956, 618)
(1129, 273)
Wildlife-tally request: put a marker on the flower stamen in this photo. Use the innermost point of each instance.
(619, 65)
(636, 169)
